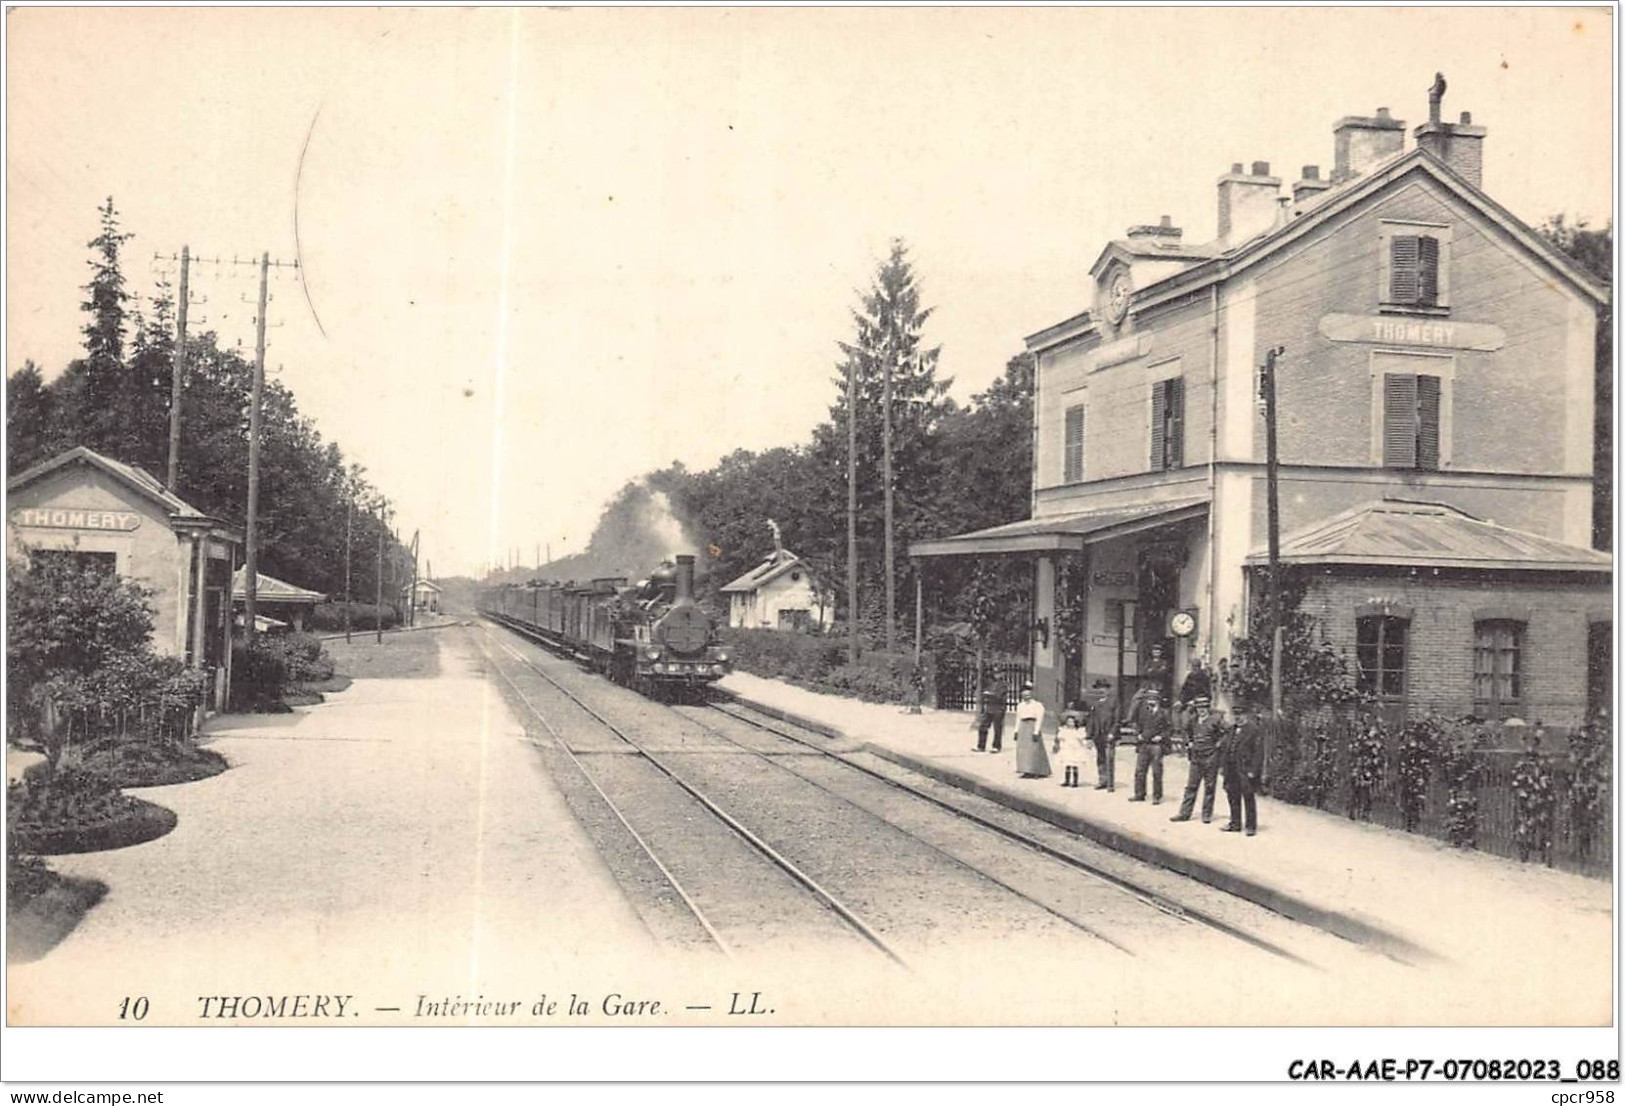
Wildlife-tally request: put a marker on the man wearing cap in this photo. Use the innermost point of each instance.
(992, 712)
(1241, 752)
(1155, 727)
(1207, 731)
(1105, 718)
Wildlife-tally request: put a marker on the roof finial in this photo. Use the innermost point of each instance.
(1436, 98)
(778, 543)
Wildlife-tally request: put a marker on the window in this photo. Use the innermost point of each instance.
(790, 619)
(1167, 424)
(1380, 653)
(1497, 668)
(1410, 421)
(1415, 264)
(104, 563)
(1073, 453)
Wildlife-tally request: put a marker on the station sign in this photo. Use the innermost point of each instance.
(75, 518)
(1430, 333)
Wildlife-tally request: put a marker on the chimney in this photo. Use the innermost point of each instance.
(1165, 232)
(685, 577)
(1459, 145)
(1310, 186)
(1361, 141)
(1246, 202)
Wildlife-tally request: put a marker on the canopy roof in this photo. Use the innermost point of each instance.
(271, 590)
(1062, 532)
(1406, 532)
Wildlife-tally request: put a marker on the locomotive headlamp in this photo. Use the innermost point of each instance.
(652, 652)
(722, 656)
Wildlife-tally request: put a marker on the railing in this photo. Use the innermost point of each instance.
(957, 688)
(1497, 803)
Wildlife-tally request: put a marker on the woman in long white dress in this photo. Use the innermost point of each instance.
(1032, 762)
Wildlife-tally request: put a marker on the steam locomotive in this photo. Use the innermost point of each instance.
(651, 635)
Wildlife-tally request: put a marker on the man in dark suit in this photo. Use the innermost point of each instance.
(991, 715)
(1105, 716)
(1242, 754)
(1154, 726)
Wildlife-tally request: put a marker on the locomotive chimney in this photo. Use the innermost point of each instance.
(685, 577)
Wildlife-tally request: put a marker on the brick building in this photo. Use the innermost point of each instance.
(1437, 351)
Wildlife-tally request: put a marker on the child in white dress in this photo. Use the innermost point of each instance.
(1071, 746)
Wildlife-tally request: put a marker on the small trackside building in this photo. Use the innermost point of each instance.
(778, 594)
(1435, 424)
(104, 513)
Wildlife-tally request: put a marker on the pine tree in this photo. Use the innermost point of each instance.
(92, 389)
(888, 330)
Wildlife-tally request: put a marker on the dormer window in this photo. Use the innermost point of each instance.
(1415, 267)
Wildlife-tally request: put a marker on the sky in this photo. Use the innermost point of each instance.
(550, 250)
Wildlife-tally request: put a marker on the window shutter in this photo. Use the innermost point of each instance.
(1159, 414)
(1175, 445)
(1404, 255)
(1427, 423)
(1427, 270)
(1074, 444)
(1399, 420)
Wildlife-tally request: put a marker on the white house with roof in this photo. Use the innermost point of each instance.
(781, 593)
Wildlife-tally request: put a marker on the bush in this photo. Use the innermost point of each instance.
(329, 617)
(78, 810)
(820, 663)
(258, 677)
(303, 659)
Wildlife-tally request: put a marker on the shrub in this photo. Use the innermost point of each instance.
(1461, 763)
(258, 677)
(820, 663)
(302, 656)
(329, 617)
(1413, 764)
(1588, 786)
(1368, 755)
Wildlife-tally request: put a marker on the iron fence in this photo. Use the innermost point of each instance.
(957, 688)
(1293, 777)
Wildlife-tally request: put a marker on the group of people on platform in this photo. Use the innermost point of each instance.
(1215, 745)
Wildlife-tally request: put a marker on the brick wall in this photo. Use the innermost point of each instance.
(1439, 659)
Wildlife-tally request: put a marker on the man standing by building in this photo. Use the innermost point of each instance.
(991, 715)
(1206, 734)
(1242, 755)
(1105, 717)
(1155, 729)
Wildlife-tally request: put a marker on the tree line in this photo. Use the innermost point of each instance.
(955, 468)
(115, 399)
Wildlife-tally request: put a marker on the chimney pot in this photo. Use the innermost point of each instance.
(1467, 118)
(1382, 113)
(1167, 221)
(1236, 167)
(1261, 168)
(1311, 172)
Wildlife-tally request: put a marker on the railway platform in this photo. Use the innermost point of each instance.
(1417, 900)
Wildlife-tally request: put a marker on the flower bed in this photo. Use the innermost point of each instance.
(154, 764)
(78, 811)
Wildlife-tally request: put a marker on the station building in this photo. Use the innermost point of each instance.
(778, 594)
(104, 513)
(1435, 405)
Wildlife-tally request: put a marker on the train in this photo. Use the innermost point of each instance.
(652, 635)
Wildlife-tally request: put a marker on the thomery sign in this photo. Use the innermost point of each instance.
(1432, 333)
(75, 518)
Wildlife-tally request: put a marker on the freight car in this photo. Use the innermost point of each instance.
(651, 635)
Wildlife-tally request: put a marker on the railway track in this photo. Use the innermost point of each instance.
(1142, 898)
(690, 897)
(1115, 881)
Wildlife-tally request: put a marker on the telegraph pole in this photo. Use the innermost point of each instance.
(891, 567)
(177, 376)
(852, 511)
(1272, 480)
(252, 572)
(383, 529)
(349, 517)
